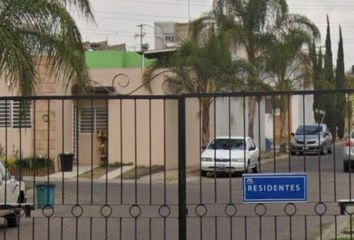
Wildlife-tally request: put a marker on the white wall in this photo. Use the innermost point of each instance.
(301, 110)
(232, 119)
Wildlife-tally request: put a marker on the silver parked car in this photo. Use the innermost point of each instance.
(312, 138)
(348, 154)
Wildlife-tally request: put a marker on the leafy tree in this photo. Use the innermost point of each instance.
(201, 65)
(287, 66)
(328, 64)
(317, 80)
(329, 78)
(252, 23)
(340, 84)
(316, 76)
(37, 30)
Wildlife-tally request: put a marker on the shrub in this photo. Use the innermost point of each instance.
(35, 162)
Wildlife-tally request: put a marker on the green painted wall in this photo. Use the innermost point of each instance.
(114, 59)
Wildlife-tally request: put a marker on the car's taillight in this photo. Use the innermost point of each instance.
(349, 143)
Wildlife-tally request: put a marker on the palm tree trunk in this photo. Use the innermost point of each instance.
(251, 113)
(283, 113)
(205, 105)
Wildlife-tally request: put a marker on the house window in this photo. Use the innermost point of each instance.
(169, 37)
(5, 114)
(93, 119)
(15, 114)
(21, 114)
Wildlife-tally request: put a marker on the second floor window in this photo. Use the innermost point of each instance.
(169, 37)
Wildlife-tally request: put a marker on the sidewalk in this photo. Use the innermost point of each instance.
(62, 175)
(59, 176)
(116, 173)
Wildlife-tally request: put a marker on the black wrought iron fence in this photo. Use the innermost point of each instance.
(170, 167)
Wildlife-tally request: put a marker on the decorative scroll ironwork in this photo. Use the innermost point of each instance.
(124, 81)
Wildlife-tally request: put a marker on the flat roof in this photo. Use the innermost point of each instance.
(159, 53)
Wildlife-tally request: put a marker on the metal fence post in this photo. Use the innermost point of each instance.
(182, 197)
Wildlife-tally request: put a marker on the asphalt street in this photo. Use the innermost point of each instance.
(148, 210)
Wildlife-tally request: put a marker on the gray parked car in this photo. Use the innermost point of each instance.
(311, 138)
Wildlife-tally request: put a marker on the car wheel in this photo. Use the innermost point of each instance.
(255, 169)
(329, 149)
(21, 197)
(346, 166)
(323, 149)
(248, 167)
(12, 220)
(203, 173)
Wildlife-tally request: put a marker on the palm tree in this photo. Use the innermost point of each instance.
(264, 29)
(288, 67)
(201, 65)
(252, 23)
(31, 31)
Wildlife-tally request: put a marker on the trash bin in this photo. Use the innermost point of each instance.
(66, 162)
(45, 195)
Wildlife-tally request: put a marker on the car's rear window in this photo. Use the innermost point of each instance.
(308, 130)
(227, 144)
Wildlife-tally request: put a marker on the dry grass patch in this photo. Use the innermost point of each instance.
(140, 171)
(103, 169)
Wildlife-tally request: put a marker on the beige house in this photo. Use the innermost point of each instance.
(141, 131)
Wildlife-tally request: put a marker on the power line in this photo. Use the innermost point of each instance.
(165, 2)
(141, 18)
(128, 14)
(182, 17)
(321, 6)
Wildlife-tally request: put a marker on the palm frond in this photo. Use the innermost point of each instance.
(37, 30)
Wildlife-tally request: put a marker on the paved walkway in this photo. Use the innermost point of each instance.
(82, 169)
(67, 175)
(73, 174)
(116, 173)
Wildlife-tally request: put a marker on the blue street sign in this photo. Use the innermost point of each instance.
(276, 187)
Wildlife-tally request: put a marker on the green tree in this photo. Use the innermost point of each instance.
(316, 75)
(252, 23)
(340, 84)
(37, 30)
(201, 65)
(287, 66)
(328, 75)
(328, 64)
(317, 81)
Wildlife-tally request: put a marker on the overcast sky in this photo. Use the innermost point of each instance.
(117, 20)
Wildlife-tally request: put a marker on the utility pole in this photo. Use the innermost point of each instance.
(141, 35)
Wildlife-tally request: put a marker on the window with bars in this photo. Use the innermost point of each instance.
(5, 114)
(15, 114)
(93, 119)
(21, 114)
(89, 121)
